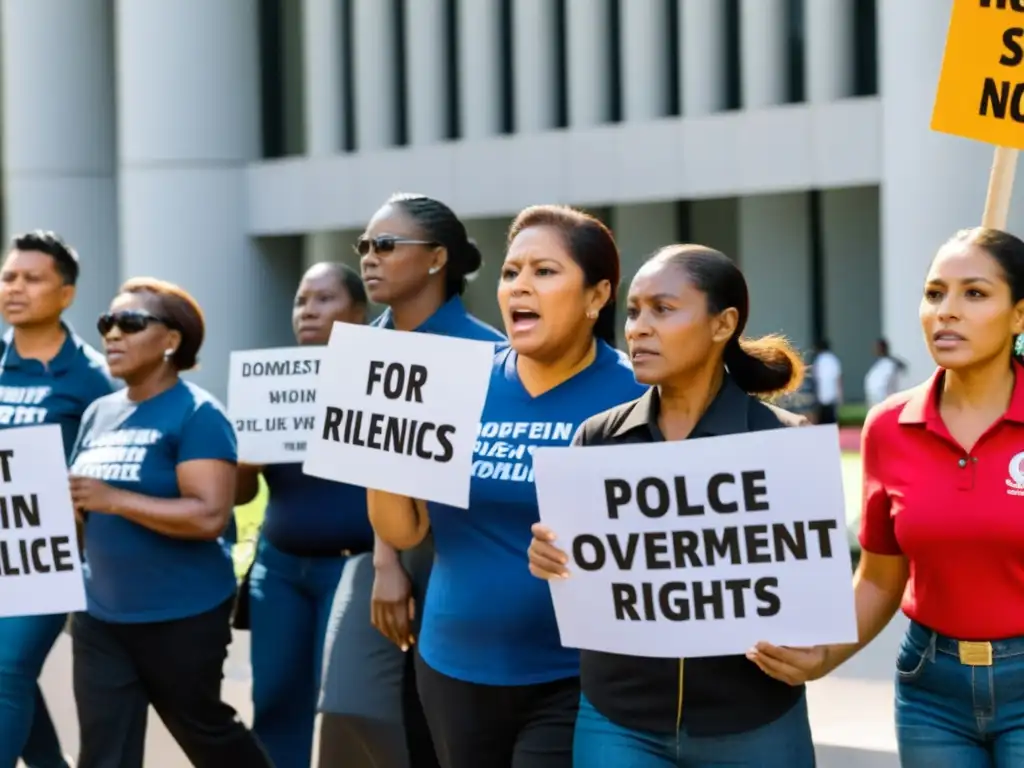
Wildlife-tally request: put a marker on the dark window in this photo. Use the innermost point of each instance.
(348, 81)
(506, 62)
(865, 48)
(615, 61)
(733, 72)
(795, 51)
(673, 99)
(401, 82)
(451, 30)
(561, 65)
(271, 21)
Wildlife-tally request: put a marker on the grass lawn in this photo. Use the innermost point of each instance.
(249, 516)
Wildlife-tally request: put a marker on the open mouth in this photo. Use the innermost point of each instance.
(946, 339)
(639, 355)
(524, 319)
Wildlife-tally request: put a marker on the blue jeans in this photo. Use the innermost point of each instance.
(951, 715)
(784, 743)
(290, 602)
(26, 729)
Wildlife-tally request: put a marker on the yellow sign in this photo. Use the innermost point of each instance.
(981, 88)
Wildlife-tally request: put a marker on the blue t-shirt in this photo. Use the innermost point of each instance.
(308, 514)
(134, 574)
(451, 319)
(487, 620)
(33, 392)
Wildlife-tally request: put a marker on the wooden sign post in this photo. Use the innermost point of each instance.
(981, 90)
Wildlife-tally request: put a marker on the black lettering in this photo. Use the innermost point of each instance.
(660, 507)
(38, 566)
(356, 420)
(624, 599)
(63, 557)
(1010, 38)
(647, 590)
(756, 539)
(348, 428)
(724, 544)
(19, 512)
(995, 97)
(672, 601)
(302, 422)
(447, 450)
(5, 562)
(592, 559)
(617, 493)
(394, 435)
(712, 598)
(623, 559)
(1015, 5)
(394, 381)
(823, 529)
(753, 488)
(332, 420)
(764, 592)
(684, 548)
(425, 428)
(738, 588)
(683, 506)
(417, 378)
(376, 431)
(410, 446)
(5, 463)
(714, 490)
(795, 544)
(374, 376)
(656, 545)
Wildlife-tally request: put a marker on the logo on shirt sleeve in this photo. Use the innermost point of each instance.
(1015, 485)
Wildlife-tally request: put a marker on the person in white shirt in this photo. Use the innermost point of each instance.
(883, 377)
(828, 383)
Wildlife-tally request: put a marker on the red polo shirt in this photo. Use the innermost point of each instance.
(958, 517)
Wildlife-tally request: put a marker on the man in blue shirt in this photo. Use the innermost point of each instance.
(47, 376)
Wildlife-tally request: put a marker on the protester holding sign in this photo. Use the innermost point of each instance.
(309, 527)
(942, 530)
(48, 375)
(415, 257)
(153, 475)
(686, 312)
(497, 687)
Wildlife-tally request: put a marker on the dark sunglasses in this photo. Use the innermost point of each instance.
(128, 321)
(387, 243)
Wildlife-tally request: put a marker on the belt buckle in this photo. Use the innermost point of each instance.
(975, 654)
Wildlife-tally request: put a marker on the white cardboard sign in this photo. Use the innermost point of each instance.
(399, 411)
(40, 568)
(700, 547)
(272, 402)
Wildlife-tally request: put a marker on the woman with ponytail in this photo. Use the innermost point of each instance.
(686, 311)
(497, 687)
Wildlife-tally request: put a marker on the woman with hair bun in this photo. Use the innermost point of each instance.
(686, 311)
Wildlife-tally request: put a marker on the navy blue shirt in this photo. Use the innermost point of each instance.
(451, 319)
(33, 392)
(486, 619)
(134, 574)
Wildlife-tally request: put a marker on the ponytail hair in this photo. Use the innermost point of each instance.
(592, 247)
(767, 366)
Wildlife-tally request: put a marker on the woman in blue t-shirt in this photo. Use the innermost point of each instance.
(47, 376)
(153, 478)
(496, 684)
(415, 256)
(309, 529)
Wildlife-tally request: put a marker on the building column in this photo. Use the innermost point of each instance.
(703, 57)
(534, 46)
(644, 43)
(188, 125)
(589, 34)
(59, 139)
(480, 83)
(932, 184)
(828, 61)
(322, 39)
(426, 71)
(373, 25)
(763, 39)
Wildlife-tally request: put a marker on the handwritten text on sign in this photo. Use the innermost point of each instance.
(398, 412)
(700, 548)
(40, 570)
(272, 402)
(981, 88)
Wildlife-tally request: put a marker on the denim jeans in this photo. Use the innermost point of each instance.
(784, 743)
(26, 729)
(290, 602)
(951, 715)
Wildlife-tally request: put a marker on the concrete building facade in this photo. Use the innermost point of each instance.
(225, 145)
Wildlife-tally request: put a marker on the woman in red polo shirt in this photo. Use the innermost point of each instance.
(943, 523)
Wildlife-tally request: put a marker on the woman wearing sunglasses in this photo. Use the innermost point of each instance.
(309, 528)
(153, 477)
(498, 688)
(415, 256)
(47, 376)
